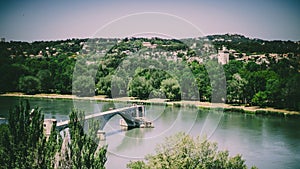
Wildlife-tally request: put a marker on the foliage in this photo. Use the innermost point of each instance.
(84, 86)
(44, 76)
(49, 66)
(23, 143)
(247, 45)
(217, 81)
(103, 86)
(139, 87)
(119, 86)
(171, 89)
(236, 89)
(260, 99)
(82, 151)
(29, 84)
(183, 151)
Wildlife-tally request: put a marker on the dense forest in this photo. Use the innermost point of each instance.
(176, 70)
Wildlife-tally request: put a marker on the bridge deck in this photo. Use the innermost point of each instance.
(66, 122)
(133, 116)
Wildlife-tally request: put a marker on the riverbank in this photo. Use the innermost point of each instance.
(201, 105)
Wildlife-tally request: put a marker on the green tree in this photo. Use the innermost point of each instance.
(10, 79)
(232, 68)
(46, 80)
(5, 144)
(22, 146)
(260, 99)
(81, 151)
(104, 86)
(62, 68)
(84, 86)
(217, 81)
(171, 89)
(236, 89)
(119, 86)
(202, 80)
(183, 151)
(29, 84)
(139, 87)
(52, 148)
(273, 90)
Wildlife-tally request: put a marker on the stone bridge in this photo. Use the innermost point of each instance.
(132, 117)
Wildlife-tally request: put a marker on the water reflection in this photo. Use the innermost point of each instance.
(132, 138)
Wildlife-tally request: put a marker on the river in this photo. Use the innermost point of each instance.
(266, 142)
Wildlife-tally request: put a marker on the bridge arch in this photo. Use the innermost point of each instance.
(127, 118)
(133, 116)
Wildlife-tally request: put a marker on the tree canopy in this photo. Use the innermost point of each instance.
(184, 151)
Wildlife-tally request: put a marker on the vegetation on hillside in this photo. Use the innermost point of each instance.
(165, 68)
(258, 46)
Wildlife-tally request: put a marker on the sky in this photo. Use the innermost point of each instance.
(35, 20)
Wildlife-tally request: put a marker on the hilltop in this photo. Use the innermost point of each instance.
(239, 47)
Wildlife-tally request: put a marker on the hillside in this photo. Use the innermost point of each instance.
(257, 72)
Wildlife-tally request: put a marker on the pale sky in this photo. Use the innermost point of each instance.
(34, 20)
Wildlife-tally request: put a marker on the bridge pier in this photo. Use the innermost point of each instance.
(48, 123)
(132, 117)
(101, 135)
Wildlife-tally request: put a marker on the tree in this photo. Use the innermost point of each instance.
(84, 86)
(45, 78)
(236, 89)
(22, 146)
(139, 87)
(5, 144)
(23, 143)
(52, 148)
(119, 86)
(171, 89)
(29, 84)
(104, 86)
(183, 151)
(260, 99)
(202, 80)
(10, 79)
(232, 68)
(81, 151)
(273, 91)
(217, 81)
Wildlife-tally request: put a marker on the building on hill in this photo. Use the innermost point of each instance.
(223, 56)
(149, 45)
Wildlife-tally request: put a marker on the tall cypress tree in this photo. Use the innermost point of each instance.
(82, 150)
(23, 144)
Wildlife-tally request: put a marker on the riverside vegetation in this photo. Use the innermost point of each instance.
(24, 145)
(47, 67)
